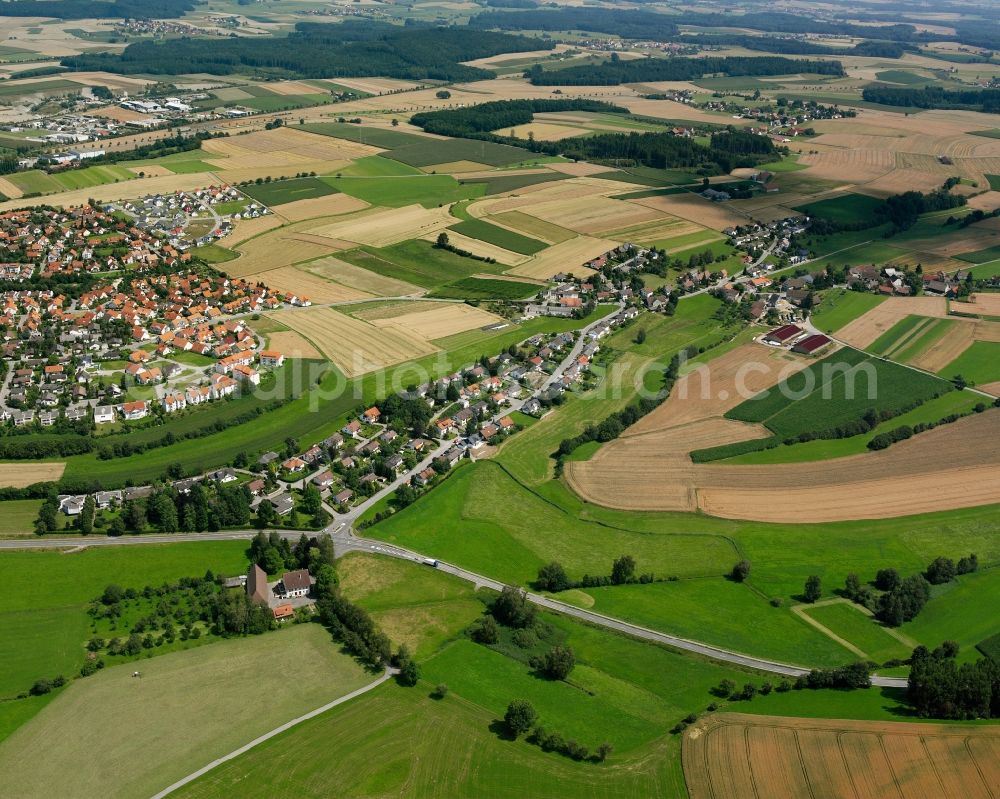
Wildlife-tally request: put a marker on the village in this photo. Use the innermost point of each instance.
(111, 307)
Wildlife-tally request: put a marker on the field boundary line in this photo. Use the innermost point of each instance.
(389, 672)
(800, 611)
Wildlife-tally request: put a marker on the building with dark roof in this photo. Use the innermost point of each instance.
(257, 588)
(294, 583)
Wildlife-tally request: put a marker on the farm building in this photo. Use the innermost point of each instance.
(294, 583)
(786, 334)
(812, 344)
(257, 588)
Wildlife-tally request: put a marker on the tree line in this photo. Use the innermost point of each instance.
(99, 9)
(616, 72)
(614, 21)
(315, 50)
(500, 114)
(938, 687)
(784, 46)
(984, 100)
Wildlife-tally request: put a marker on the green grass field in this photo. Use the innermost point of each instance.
(214, 253)
(979, 364)
(375, 166)
(844, 386)
(43, 620)
(993, 179)
(951, 614)
(865, 633)
(189, 707)
(37, 181)
(502, 183)
(376, 137)
(501, 237)
(440, 151)
(846, 209)
(841, 306)
(17, 517)
(986, 256)
(286, 191)
(474, 288)
(890, 338)
(417, 262)
(394, 192)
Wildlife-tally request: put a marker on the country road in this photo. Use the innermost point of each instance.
(345, 541)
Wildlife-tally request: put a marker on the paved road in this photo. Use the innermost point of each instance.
(355, 513)
(345, 541)
(389, 672)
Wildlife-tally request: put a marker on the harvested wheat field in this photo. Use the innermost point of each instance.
(848, 165)
(463, 168)
(283, 145)
(984, 304)
(292, 345)
(556, 193)
(299, 282)
(330, 205)
(149, 171)
(578, 168)
(542, 131)
(567, 257)
(734, 756)
(865, 329)
(359, 278)
(955, 341)
(281, 247)
(649, 468)
(943, 469)
(445, 319)
(710, 389)
(9, 189)
(694, 208)
(354, 346)
(377, 85)
(389, 225)
(248, 228)
(19, 475)
(370, 311)
(592, 214)
(288, 87)
(252, 167)
(661, 228)
(127, 189)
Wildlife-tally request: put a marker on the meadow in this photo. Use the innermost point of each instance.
(854, 626)
(43, 622)
(501, 237)
(285, 191)
(190, 707)
(474, 288)
(847, 209)
(979, 364)
(417, 262)
(37, 181)
(842, 306)
(18, 516)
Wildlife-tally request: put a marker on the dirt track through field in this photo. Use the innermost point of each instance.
(649, 467)
(734, 756)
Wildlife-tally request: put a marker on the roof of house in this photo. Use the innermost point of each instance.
(785, 332)
(283, 612)
(812, 343)
(296, 580)
(257, 585)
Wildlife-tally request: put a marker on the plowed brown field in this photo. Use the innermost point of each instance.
(733, 756)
